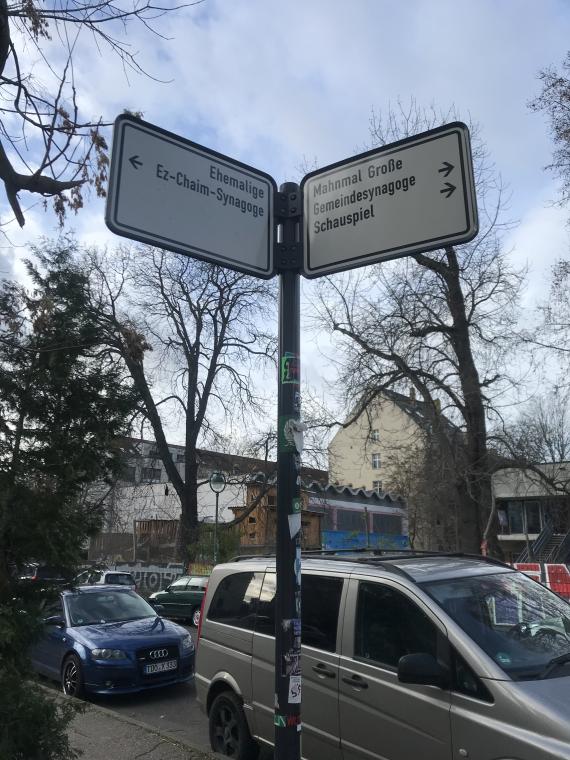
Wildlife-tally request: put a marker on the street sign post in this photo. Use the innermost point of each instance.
(414, 195)
(172, 193)
(411, 196)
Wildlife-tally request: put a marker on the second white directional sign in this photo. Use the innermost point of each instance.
(172, 193)
(410, 196)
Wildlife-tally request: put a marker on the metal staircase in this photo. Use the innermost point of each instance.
(549, 547)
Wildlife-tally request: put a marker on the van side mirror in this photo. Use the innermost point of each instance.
(55, 620)
(159, 609)
(423, 669)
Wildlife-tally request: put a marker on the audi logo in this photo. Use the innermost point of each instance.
(158, 654)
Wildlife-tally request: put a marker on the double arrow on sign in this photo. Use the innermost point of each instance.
(446, 170)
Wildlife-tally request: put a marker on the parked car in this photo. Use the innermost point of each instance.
(402, 657)
(43, 575)
(109, 640)
(97, 577)
(183, 597)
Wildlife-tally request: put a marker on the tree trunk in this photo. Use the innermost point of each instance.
(187, 540)
(477, 505)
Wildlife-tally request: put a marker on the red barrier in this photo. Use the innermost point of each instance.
(558, 579)
(554, 576)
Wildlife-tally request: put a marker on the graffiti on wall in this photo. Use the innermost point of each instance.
(151, 578)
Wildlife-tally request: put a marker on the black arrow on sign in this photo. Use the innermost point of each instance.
(135, 162)
(448, 189)
(446, 169)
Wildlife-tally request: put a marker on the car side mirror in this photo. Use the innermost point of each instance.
(423, 669)
(159, 608)
(55, 620)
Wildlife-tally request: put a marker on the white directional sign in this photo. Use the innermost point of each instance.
(414, 195)
(171, 193)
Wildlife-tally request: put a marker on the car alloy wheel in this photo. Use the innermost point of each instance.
(229, 732)
(72, 677)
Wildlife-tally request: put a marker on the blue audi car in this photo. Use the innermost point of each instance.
(108, 640)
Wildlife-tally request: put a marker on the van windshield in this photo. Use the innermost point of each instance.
(518, 622)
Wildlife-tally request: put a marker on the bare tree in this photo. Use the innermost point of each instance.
(47, 145)
(210, 330)
(441, 321)
(537, 442)
(542, 431)
(554, 100)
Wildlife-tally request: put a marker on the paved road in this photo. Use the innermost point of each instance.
(172, 709)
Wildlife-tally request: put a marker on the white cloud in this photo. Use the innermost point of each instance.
(542, 238)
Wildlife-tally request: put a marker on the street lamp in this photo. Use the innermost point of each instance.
(217, 484)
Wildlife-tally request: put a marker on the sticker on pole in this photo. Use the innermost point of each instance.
(410, 196)
(169, 192)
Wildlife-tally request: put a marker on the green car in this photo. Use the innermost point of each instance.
(182, 599)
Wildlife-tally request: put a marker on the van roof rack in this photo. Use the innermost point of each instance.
(375, 556)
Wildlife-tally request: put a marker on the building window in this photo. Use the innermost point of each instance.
(523, 514)
(154, 454)
(252, 520)
(271, 499)
(377, 485)
(151, 474)
(128, 474)
(180, 458)
(351, 519)
(390, 525)
(375, 435)
(376, 461)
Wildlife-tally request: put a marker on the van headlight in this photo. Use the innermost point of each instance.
(187, 643)
(108, 654)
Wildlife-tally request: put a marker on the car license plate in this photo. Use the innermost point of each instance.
(160, 667)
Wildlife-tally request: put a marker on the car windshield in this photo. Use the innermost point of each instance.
(107, 607)
(518, 622)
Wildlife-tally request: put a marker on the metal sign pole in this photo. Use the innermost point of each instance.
(287, 717)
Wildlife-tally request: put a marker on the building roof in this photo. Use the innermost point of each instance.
(420, 411)
(238, 464)
(347, 493)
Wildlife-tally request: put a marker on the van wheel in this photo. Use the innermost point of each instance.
(229, 733)
(196, 617)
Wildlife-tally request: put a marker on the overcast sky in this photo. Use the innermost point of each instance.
(278, 85)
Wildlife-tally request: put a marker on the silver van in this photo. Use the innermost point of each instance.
(438, 657)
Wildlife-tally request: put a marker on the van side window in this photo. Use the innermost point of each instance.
(320, 602)
(235, 600)
(466, 682)
(389, 625)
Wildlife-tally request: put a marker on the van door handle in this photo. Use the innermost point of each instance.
(322, 670)
(356, 682)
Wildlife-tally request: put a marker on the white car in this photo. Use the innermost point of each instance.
(103, 577)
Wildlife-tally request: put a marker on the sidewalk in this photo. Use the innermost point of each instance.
(101, 734)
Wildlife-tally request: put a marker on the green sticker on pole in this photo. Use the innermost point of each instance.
(290, 368)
